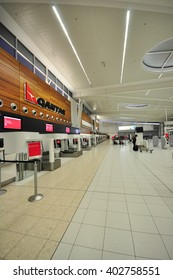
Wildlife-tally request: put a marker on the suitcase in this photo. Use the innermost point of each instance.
(135, 148)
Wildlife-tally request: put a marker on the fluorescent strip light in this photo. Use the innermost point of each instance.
(70, 42)
(160, 75)
(125, 43)
(147, 92)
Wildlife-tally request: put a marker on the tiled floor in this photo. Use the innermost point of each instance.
(110, 203)
(127, 211)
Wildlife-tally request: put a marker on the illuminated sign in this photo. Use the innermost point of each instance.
(40, 101)
(12, 123)
(49, 127)
(34, 149)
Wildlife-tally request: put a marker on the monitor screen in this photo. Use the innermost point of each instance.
(67, 129)
(49, 127)
(139, 129)
(12, 123)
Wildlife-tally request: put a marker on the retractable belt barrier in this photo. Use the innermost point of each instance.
(34, 197)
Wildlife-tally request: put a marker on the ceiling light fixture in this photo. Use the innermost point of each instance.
(125, 43)
(70, 42)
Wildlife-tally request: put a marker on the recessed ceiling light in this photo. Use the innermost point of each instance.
(136, 106)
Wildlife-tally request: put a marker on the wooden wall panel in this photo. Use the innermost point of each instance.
(14, 76)
(9, 82)
(86, 118)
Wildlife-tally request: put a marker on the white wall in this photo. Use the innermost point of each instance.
(16, 142)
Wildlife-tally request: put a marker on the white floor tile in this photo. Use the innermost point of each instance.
(138, 208)
(117, 206)
(142, 224)
(114, 256)
(83, 253)
(71, 233)
(90, 236)
(164, 225)
(95, 217)
(149, 246)
(117, 220)
(62, 252)
(168, 241)
(98, 204)
(160, 210)
(118, 241)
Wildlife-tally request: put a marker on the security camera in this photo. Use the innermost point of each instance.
(25, 110)
(13, 106)
(34, 112)
(1, 102)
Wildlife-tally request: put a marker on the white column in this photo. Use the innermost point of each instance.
(51, 150)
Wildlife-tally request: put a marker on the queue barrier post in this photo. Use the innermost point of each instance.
(36, 196)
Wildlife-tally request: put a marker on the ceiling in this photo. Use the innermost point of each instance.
(97, 31)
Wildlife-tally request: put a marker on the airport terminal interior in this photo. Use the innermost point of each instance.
(86, 130)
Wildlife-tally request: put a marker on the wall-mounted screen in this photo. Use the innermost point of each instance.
(67, 130)
(139, 129)
(49, 127)
(12, 123)
(34, 149)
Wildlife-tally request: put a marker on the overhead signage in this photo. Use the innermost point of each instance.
(29, 96)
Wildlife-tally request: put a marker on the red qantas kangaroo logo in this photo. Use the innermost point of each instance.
(28, 94)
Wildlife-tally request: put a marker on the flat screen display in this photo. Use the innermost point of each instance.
(67, 129)
(34, 149)
(12, 123)
(139, 129)
(49, 127)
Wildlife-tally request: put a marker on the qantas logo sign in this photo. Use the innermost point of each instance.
(29, 96)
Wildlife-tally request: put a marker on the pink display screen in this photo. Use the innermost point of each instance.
(12, 123)
(49, 127)
(34, 149)
(67, 129)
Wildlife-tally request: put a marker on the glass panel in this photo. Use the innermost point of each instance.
(40, 65)
(25, 62)
(6, 34)
(23, 50)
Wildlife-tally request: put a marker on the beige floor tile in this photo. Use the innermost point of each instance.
(43, 228)
(22, 207)
(8, 219)
(27, 249)
(38, 210)
(59, 231)
(24, 224)
(47, 251)
(7, 241)
(56, 212)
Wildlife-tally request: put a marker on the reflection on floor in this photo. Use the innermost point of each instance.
(110, 203)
